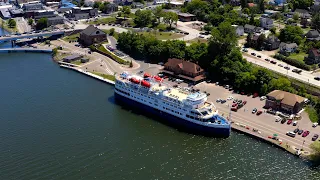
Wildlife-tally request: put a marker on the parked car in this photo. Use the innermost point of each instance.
(253, 54)
(234, 105)
(298, 71)
(235, 100)
(259, 56)
(234, 108)
(230, 98)
(289, 121)
(305, 133)
(244, 102)
(317, 78)
(314, 125)
(280, 65)
(254, 110)
(245, 50)
(239, 101)
(315, 137)
(300, 131)
(295, 123)
(296, 130)
(291, 134)
(259, 112)
(263, 98)
(223, 101)
(218, 100)
(273, 62)
(287, 67)
(267, 59)
(283, 121)
(278, 119)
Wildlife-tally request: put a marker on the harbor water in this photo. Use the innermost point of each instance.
(58, 124)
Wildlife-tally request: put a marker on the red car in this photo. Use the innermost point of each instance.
(234, 109)
(289, 122)
(244, 102)
(259, 112)
(234, 105)
(306, 133)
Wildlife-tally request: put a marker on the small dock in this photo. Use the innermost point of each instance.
(26, 50)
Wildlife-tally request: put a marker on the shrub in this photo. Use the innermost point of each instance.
(293, 62)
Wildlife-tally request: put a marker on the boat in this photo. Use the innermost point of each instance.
(180, 107)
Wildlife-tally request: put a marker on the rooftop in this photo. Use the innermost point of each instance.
(286, 97)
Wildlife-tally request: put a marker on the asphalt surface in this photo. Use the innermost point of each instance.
(304, 76)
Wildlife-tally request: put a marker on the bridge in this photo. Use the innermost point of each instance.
(35, 50)
(32, 35)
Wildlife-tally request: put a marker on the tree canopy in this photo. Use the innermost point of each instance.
(301, 4)
(170, 18)
(316, 21)
(42, 23)
(291, 34)
(143, 18)
(315, 156)
(12, 23)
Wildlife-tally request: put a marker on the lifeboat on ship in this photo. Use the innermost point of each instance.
(146, 75)
(145, 83)
(157, 78)
(134, 80)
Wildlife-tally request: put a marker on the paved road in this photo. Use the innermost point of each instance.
(305, 76)
(22, 25)
(193, 33)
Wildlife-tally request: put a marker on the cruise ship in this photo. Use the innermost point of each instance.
(176, 105)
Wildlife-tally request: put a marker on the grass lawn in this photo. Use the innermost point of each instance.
(198, 40)
(73, 37)
(103, 20)
(4, 25)
(59, 56)
(312, 114)
(300, 56)
(163, 35)
(105, 76)
(77, 62)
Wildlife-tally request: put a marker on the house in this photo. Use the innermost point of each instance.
(55, 20)
(30, 9)
(184, 70)
(284, 101)
(305, 22)
(186, 17)
(16, 12)
(111, 7)
(72, 58)
(92, 35)
(239, 30)
(82, 13)
(44, 14)
(258, 30)
(313, 57)
(303, 13)
(4, 13)
(137, 5)
(288, 48)
(313, 35)
(253, 41)
(249, 28)
(266, 23)
(271, 43)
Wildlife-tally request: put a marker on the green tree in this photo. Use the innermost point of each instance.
(260, 41)
(280, 84)
(30, 21)
(315, 156)
(126, 11)
(301, 4)
(158, 13)
(295, 17)
(223, 39)
(42, 23)
(291, 34)
(244, 3)
(246, 11)
(170, 18)
(111, 32)
(273, 30)
(143, 18)
(316, 21)
(200, 8)
(251, 19)
(261, 6)
(96, 4)
(12, 23)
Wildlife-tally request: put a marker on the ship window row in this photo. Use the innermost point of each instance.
(192, 117)
(123, 92)
(172, 110)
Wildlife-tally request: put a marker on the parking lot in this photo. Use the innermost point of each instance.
(264, 122)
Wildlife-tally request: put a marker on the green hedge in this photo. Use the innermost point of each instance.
(293, 62)
(106, 52)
